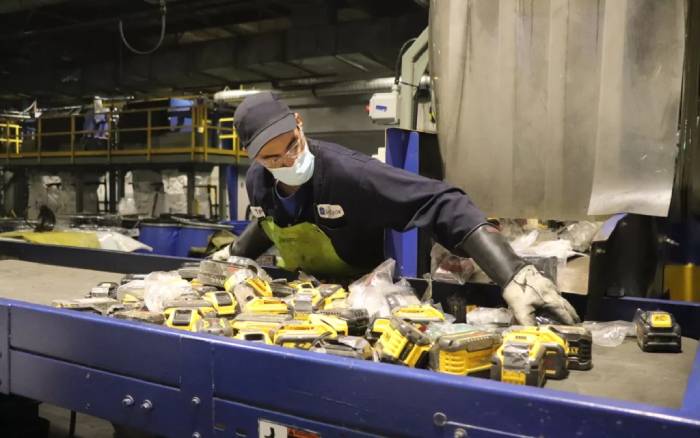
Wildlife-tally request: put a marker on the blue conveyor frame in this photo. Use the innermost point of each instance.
(219, 387)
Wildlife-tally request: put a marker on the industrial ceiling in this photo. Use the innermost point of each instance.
(66, 51)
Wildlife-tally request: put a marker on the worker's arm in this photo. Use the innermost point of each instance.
(252, 243)
(525, 289)
(407, 200)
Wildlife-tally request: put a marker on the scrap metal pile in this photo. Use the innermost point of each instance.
(238, 299)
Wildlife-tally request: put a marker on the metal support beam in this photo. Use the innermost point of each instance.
(112, 190)
(121, 185)
(413, 65)
(221, 192)
(190, 190)
(79, 192)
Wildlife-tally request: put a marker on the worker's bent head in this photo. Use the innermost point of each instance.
(268, 130)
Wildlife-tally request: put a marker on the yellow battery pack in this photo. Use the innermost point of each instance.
(403, 343)
(264, 305)
(422, 314)
(214, 326)
(258, 323)
(254, 336)
(579, 341)
(464, 353)
(376, 328)
(222, 302)
(204, 307)
(302, 335)
(520, 361)
(556, 346)
(183, 318)
(333, 296)
(261, 287)
(339, 325)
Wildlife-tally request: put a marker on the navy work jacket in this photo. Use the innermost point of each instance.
(356, 197)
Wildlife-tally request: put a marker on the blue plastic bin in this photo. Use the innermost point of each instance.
(195, 235)
(162, 237)
(238, 226)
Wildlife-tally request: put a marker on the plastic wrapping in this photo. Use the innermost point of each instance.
(135, 288)
(481, 316)
(163, 286)
(449, 268)
(378, 293)
(580, 234)
(115, 241)
(528, 245)
(609, 333)
(437, 329)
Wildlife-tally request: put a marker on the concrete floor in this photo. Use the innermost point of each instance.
(40, 284)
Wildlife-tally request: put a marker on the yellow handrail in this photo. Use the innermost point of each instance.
(65, 144)
(10, 134)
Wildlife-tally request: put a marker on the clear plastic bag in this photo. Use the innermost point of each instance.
(163, 286)
(378, 293)
(449, 268)
(609, 333)
(135, 288)
(580, 234)
(488, 316)
(437, 329)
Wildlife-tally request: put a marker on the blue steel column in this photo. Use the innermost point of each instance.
(402, 152)
(232, 186)
(4, 349)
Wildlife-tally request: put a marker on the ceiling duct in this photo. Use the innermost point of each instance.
(10, 6)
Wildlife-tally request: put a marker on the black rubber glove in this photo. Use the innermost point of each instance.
(251, 244)
(494, 255)
(525, 289)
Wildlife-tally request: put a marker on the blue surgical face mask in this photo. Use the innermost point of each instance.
(298, 173)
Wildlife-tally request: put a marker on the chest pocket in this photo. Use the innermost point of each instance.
(330, 217)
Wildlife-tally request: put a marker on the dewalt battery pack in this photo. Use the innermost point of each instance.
(251, 322)
(183, 318)
(280, 288)
(464, 353)
(270, 306)
(222, 302)
(332, 296)
(579, 351)
(140, 315)
(555, 346)
(402, 343)
(204, 307)
(657, 331)
(339, 325)
(376, 328)
(356, 319)
(520, 361)
(217, 273)
(306, 288)
(254, 336)
(101, 306)
(422, 314)
(345, 346)
(302, 335)
(261, 287)
(214, 326)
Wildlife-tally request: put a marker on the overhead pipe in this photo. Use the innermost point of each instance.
(347, 88)
(10, 6)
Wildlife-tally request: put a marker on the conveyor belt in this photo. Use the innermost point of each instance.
(623, 373)
(627, 373)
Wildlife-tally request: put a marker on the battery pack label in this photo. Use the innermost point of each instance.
(270, 429)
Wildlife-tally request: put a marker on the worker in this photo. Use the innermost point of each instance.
(326, 208)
